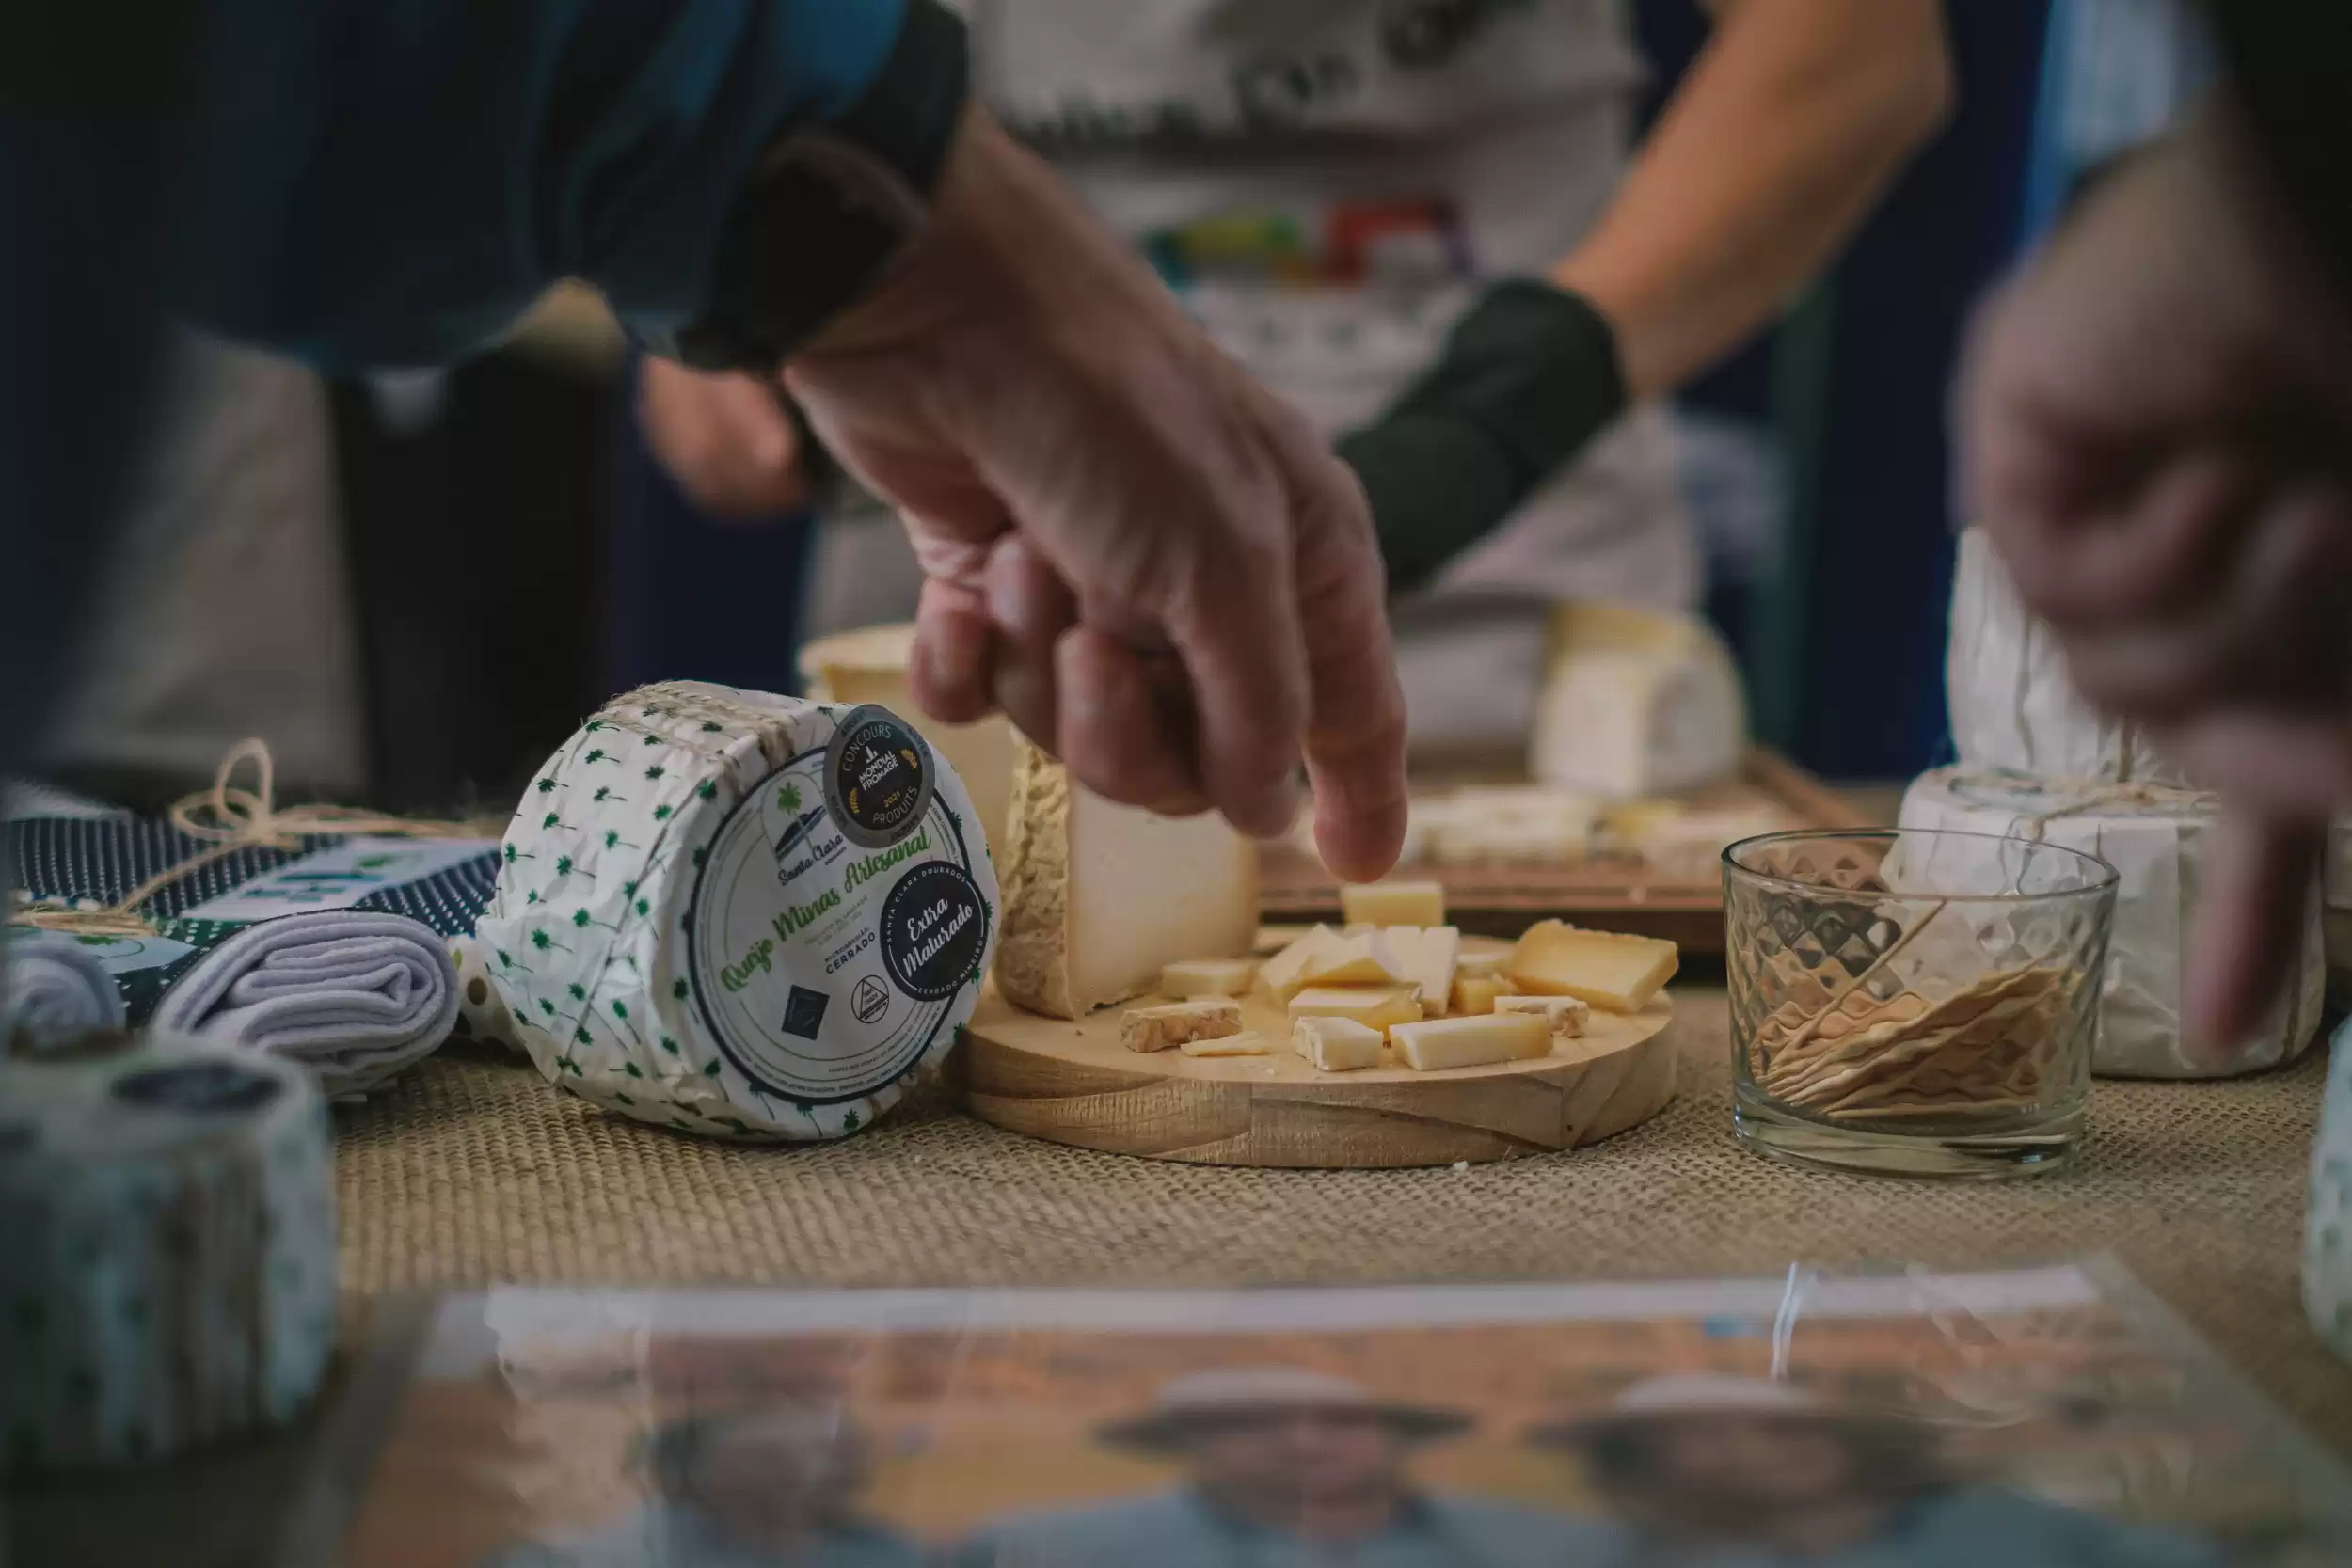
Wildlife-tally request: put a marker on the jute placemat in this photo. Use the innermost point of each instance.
(471, 1171)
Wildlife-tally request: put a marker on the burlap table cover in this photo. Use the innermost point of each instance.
(471, 1171)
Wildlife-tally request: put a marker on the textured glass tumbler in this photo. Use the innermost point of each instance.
(1914, 1004)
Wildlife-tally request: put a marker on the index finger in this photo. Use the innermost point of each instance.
(1356, 732)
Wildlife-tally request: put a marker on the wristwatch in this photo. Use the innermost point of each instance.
(830, 204)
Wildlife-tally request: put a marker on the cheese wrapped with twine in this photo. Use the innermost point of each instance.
(742, 916)
(2014, 705)
(2155, 837)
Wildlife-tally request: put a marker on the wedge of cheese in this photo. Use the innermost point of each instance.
(871, 665)
(1636, 703)
(1478, 993)
(1336, 1044)
(1374, 1007)
(1248, 1043)
(1098, 899)
(1393, 903)
(1439, 1043)
(1208, 978)
(1177, 1023)
(1618, 973)
(1425, 957)
(1284, 976)
(1364, 959)
(1565, 1016)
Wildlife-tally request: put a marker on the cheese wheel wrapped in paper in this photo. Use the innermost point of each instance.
(2155, 837)
(742, 916)
(169, 1269)
(2014, 705)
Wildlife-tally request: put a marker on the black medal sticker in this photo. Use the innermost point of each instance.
(879, 778)
(934, 928)
(200, 1086)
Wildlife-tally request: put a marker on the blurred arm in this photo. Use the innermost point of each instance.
(1787, 129)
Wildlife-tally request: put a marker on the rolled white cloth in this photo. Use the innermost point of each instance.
(354, 995)
(53, 989)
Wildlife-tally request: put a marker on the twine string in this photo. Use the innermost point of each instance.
(226, 819)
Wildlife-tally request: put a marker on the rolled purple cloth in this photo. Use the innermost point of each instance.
(354, 995)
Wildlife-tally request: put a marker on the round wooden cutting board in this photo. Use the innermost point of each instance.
(1072, 1082)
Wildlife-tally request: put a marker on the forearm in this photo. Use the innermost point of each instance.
(1793, 122)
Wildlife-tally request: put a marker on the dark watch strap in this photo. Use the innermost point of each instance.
(831, 203)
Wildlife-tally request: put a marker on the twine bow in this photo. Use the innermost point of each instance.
(228, 818)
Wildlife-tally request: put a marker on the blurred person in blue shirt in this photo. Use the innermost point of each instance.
(1285, 1466)
(1705, 1471)
(791, 187)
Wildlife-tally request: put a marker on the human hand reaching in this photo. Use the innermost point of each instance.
(1152, 566)
(2157, 419)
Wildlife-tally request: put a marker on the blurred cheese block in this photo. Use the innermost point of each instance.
(2156, 838)
(2013, 706)
(1098, 899)
(1508, 823)
(869, 665)
(169, 1271)
(1392, 903)
(742, 916)
(1374, 1007)
(1636, 703)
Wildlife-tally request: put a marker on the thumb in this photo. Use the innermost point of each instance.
(2249, 928)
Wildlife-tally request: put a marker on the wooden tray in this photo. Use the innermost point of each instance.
(1617, 893)
(1072, 1082)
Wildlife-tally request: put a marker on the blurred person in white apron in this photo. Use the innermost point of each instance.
(1362, 199)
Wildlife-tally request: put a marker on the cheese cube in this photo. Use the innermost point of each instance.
(1478, 993)
(1096, 897)
(1608, 969)
(1336, 1044)
(1249, 1043)
(1157, 1028)
(1365, 958)
(1482, 964)
(1284, 976)
(1425, 957)
(1208, 978)
(1374, 1007)
(1393, 903)
(1563, 1014)
(1450, 1043)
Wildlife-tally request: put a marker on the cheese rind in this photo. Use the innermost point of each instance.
(1148, 1029)
(1478, 993)
(1375, 1007)
(1099, 898)
(1439, 1043)
(1636, 703)
(1189, 977)
(1565, 1016)
(1247, 1044)
(1393, 903)
(1426, 957)
(1604, 968)
(1336, 1044)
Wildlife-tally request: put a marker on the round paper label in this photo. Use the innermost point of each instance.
(836, 932)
